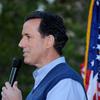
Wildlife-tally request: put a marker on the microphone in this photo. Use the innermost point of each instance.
(16, 64)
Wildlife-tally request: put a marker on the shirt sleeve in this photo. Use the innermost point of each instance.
(67, 89)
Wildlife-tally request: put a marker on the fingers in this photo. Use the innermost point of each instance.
(3, 93)
(11, 93)
(8, 86)
(3, 88)
(3, 96)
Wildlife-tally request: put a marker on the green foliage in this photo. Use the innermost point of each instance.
(12, 15)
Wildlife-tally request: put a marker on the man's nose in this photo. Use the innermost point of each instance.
(21, 43)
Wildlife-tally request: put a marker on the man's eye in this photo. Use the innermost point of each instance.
(28, 37)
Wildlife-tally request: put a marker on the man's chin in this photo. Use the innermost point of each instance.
(26, 61)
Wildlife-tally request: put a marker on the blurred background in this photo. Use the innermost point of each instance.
(12, 14)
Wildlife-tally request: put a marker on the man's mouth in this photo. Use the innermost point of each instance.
(25, 53)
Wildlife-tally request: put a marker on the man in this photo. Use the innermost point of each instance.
(43, 37)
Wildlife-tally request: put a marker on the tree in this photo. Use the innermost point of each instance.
(12, 13)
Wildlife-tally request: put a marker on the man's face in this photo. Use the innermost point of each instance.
(32, 43)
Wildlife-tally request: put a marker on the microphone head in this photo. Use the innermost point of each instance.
(16, 62)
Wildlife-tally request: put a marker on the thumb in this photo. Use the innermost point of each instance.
(15, 85)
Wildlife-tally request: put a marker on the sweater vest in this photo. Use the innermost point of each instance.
(58, 73)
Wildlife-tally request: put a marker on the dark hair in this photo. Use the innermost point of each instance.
(51, 24)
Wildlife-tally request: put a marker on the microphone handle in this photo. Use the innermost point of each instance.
(13, 75)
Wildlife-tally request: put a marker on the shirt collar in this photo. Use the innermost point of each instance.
(40, 73)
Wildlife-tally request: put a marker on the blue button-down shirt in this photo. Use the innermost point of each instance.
(66, 89)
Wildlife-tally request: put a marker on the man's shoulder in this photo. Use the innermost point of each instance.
(66, 87)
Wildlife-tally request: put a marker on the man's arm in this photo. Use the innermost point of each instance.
(67, 89)
(11, 93)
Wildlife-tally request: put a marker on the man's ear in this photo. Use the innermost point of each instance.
(49, 41)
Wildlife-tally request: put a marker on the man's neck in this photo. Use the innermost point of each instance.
(48, 58)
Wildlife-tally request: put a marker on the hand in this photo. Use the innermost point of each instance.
(11, 93)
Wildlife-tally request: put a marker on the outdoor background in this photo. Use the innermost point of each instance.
(12, 14)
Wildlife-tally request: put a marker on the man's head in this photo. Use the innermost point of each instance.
(51, 24)
(43, 37)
